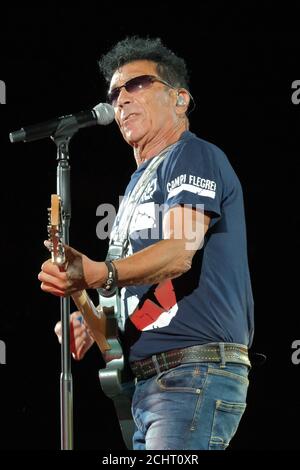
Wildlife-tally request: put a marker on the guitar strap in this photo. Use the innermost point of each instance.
(122, 223)
(121, 391)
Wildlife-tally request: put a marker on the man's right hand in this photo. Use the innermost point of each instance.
(80, 339)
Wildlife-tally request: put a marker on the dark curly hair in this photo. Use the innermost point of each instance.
(170, 67)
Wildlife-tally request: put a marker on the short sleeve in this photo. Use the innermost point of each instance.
(193, 177)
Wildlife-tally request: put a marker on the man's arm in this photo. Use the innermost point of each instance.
(183, 228)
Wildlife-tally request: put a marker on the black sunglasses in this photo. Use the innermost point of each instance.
(134, 84)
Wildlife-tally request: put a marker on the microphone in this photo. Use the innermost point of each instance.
(102, 113)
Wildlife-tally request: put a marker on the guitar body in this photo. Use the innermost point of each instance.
(116, 378)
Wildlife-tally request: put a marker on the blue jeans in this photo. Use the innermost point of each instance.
(192, 406)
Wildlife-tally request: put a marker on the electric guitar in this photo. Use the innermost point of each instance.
(103, 325)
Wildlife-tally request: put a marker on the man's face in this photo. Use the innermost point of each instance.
(146, 113)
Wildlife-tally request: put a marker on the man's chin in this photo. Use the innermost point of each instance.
(132, 138)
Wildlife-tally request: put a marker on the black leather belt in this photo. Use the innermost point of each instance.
(212, 352)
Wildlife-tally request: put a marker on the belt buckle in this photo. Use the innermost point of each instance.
(165, 364)
(159, 365)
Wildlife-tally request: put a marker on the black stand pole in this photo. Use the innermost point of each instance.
(66, 382)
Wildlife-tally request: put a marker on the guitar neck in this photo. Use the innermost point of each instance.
(95, 319)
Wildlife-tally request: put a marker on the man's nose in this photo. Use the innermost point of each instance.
(124, 97)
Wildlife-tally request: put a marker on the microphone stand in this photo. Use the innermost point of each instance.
(61, 132)
(62, 138)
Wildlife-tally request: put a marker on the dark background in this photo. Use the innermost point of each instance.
(242, 59)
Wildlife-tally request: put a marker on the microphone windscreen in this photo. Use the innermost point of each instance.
(105, 113)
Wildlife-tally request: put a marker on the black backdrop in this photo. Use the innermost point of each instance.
(243, 60)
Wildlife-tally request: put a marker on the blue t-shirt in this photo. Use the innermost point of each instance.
(212, 302)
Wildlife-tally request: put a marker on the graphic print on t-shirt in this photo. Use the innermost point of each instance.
(158, 312)
(192, 183)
